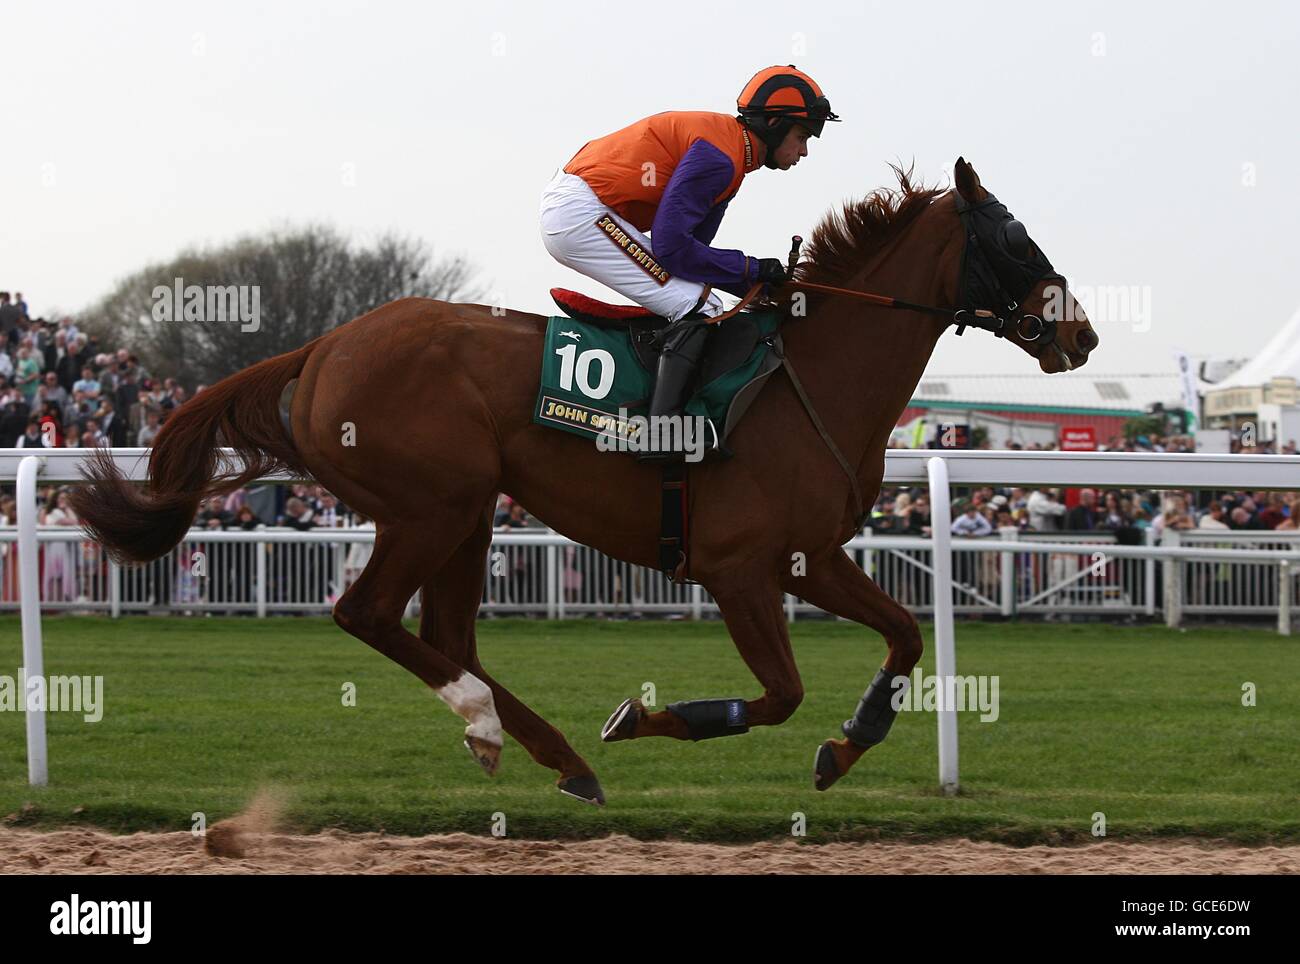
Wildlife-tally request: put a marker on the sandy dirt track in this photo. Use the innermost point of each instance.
(87, 851)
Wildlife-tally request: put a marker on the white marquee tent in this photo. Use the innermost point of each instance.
(1280, 357)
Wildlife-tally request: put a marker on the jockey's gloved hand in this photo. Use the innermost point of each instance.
(771, 271)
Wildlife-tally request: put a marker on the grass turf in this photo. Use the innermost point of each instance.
(1142, 724)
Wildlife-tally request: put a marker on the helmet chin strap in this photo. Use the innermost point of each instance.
(771, 136)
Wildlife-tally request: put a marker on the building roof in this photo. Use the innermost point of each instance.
(1070, 391)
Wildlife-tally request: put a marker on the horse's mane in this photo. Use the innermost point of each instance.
(845, 239)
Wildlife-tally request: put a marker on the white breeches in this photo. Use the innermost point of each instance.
(618, 255)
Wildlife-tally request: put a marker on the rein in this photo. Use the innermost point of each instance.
(1000, 266)
(984, 255)
(981, 271)
(963, 318)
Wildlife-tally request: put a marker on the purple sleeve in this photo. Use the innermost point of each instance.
(687, 220)
(707, 228)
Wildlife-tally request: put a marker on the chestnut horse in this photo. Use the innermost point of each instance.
(420, 412)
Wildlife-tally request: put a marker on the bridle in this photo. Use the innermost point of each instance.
(1000, 266)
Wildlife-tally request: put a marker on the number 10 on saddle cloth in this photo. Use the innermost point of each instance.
(594, 382)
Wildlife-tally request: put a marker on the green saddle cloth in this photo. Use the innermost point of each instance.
(593, 383)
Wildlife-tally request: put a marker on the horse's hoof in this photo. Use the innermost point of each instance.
(622, 724)
(487, 754)
(825, 770)
(587, 789)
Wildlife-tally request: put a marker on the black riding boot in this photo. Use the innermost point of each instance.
(681, 354)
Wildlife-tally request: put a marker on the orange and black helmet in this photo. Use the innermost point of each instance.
(788, 95)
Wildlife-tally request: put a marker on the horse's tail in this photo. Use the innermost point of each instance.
(139, 524)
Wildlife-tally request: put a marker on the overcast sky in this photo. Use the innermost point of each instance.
(1151, 145)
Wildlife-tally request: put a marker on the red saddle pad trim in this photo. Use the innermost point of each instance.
(573, 301)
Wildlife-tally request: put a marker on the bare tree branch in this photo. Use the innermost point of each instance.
(309, 280)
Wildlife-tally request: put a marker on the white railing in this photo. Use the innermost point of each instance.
(541, 573)
(1140, 470)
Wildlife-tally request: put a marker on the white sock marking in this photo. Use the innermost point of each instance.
(471, 699)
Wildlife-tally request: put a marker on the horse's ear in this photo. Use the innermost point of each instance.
(967, 181)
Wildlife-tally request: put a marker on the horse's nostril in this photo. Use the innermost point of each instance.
(1086, 340)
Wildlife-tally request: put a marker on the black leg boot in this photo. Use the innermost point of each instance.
(674, 380)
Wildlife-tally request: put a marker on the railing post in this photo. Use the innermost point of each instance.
(868, 561)
(1149, 572)
(340, 570)
(29, 595)
(260, 579)
(552, 584)
(697, 602)
(561, 597)
(945, 650)
(1173, 580)
(114, 590)
(1008, 571)
(1284, 597)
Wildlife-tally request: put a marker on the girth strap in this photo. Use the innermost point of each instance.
(860, 516)
(674, 524)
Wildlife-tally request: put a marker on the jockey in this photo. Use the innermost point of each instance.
(673, 175)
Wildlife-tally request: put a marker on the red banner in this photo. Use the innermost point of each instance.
(1078, 438)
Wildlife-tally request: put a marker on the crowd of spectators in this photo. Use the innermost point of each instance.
(1241, 443)
(985, 510)
(1128, 517)
(73, 572)
(59, 388)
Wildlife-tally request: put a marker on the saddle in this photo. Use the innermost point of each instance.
(599, 362)
(729, 344)
(582, 308)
